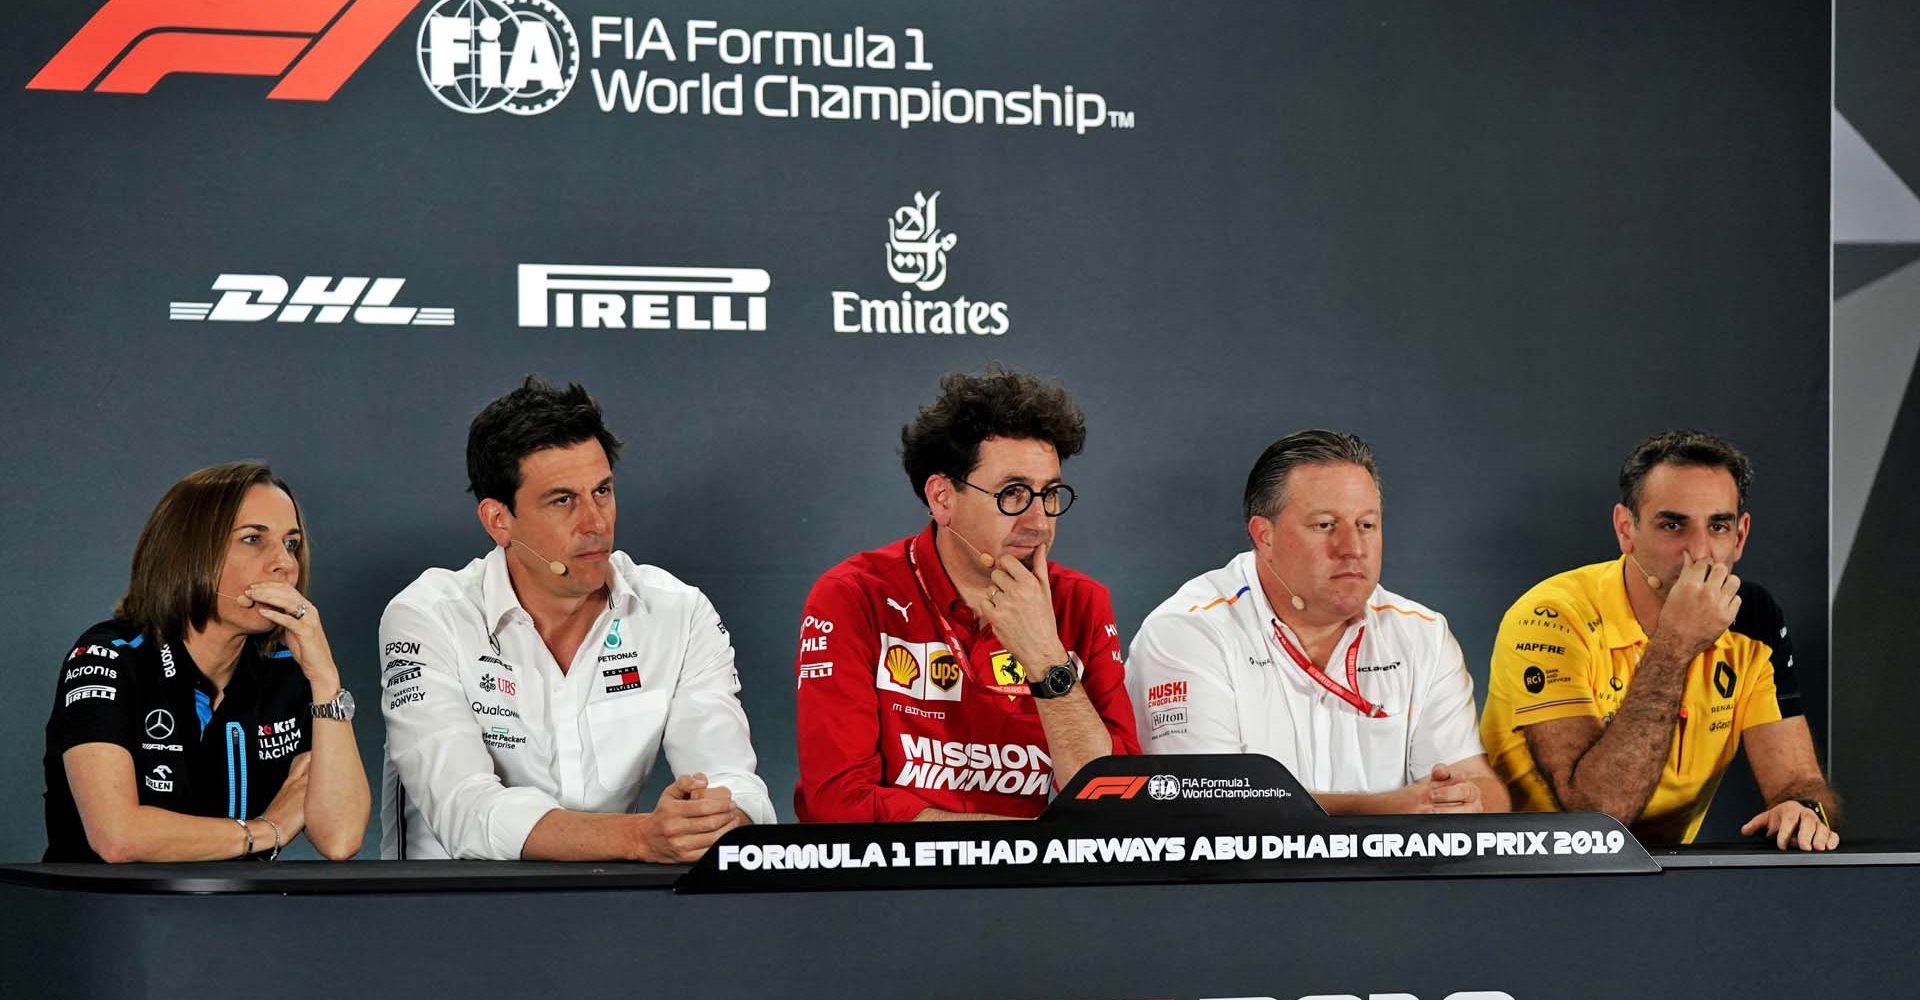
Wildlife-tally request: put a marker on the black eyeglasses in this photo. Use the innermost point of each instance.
(1014, 500)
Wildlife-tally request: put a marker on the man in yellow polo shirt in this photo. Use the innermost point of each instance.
(1626, 687)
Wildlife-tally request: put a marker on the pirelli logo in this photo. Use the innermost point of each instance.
(623, 297)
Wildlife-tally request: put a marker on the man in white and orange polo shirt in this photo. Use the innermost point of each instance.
(1294, 650)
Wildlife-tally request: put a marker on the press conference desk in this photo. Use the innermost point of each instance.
(1713, 922)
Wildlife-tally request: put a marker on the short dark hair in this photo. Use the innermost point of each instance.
(532, 418)
(944, 438)
(1267, 483)
(182, 550)
(1697, 448)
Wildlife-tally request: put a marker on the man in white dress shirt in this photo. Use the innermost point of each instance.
(1294, 650)
(528, 693)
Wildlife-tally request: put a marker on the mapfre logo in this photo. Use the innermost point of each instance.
(256, 298)
(311, 45)
(517, 56)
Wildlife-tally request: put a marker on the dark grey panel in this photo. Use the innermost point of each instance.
(1501, 241)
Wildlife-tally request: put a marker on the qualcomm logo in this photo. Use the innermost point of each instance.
(517, 56)
(917, 251)
(620, 297)
(255, 298)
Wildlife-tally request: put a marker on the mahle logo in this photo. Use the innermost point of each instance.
(517, 56)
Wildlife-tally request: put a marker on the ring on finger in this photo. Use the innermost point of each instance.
(301, 611)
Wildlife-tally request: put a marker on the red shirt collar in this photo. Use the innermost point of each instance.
(933, 571)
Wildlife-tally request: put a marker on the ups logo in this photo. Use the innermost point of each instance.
(944, 671)
(903, 668)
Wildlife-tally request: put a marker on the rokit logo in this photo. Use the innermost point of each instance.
(313, 46)
(517, 56)
(916, 255)
(256, 298)
(620, 297)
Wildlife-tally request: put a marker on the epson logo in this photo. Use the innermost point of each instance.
(256, 298)
(619, 297)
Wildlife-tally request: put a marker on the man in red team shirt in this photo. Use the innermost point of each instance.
(957, 674)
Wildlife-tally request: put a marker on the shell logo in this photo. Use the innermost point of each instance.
(903, 668)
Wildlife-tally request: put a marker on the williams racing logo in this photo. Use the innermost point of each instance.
(1007, 768)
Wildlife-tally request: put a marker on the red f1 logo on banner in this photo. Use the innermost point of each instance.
(137, 42)
(1112, 786)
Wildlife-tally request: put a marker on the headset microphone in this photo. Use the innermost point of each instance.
(1652, 581)
(985, 561)
(555, 566)
(1292, 598)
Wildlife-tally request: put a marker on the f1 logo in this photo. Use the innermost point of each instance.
(138, 42)
(1112, 787)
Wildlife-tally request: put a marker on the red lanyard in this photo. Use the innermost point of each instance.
(946, 629)
(1349, 694)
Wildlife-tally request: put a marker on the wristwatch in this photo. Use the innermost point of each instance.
(1058, 680)
(340, 708)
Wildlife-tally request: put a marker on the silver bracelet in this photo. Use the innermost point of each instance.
(276, 838)
(244, 828)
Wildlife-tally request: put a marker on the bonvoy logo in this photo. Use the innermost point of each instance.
(517, 56)
(313, 46)
(916, 256)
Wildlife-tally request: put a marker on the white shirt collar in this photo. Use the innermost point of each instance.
(499, 602)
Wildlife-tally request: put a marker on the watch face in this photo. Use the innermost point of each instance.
(1059, 678)
(345, 701)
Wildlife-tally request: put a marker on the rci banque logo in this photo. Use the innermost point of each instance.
(313, 46)
(517, 56)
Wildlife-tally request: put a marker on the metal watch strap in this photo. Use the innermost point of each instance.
(338, 708)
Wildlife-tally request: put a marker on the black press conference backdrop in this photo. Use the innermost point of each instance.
(1500, 241)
